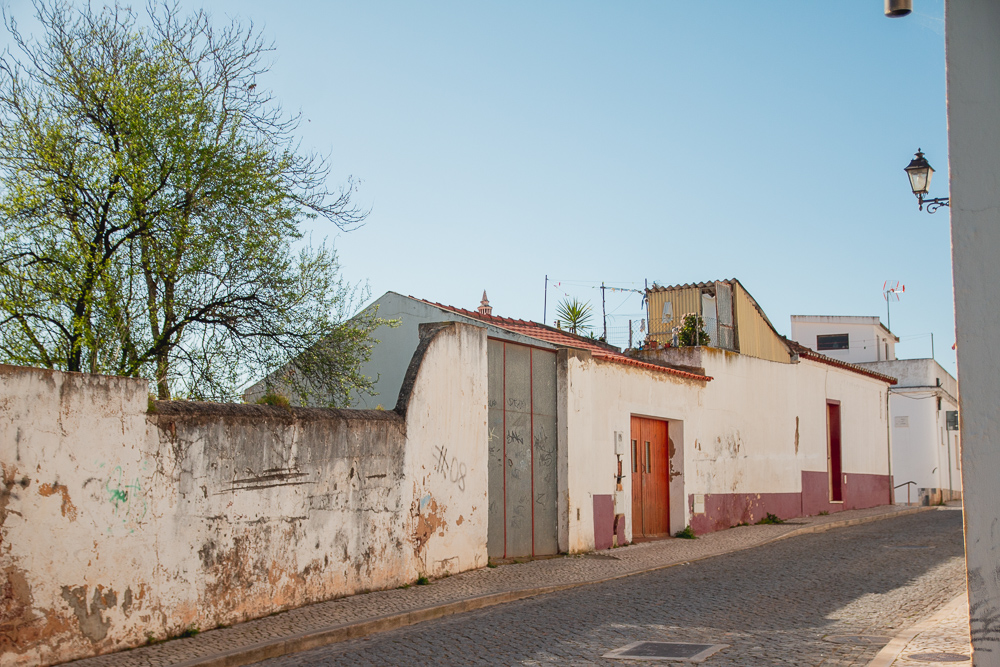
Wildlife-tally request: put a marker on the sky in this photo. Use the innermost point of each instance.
(497, 143)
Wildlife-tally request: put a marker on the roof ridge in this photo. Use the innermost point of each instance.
(534, 330)
(810, 353)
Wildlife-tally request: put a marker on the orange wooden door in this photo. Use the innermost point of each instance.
(637, 468)
(650, 478)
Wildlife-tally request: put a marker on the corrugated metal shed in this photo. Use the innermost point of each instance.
(682, 300)
(755, 335)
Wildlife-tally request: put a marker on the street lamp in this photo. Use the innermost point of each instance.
(896, 8)
(920, 171)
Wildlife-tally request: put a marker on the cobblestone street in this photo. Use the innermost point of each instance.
(773, 605)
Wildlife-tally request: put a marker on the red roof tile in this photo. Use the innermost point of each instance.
(810, 353)
(562, 338)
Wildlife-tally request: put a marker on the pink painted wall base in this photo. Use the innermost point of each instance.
(724, 510)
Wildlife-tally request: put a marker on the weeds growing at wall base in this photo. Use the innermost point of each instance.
(686, 534)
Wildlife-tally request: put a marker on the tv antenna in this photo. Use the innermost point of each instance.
(891, 291)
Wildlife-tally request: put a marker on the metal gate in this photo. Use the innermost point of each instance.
(523, 486)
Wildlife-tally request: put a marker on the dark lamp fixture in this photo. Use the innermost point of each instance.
(920, 171)
(897, 8)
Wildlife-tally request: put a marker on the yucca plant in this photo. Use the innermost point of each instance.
(574, 314)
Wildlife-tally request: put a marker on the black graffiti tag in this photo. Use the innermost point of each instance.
(453, 469)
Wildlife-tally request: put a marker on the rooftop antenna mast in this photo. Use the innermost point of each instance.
(545, 300)
(891, 291)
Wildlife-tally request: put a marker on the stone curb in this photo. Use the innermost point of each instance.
(894, 648)
(275, 648)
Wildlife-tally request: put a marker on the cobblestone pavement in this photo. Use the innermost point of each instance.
(251, 635)
(777, 604)
(946, 632)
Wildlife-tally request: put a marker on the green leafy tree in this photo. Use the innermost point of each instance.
(151, 195)
(574, 314)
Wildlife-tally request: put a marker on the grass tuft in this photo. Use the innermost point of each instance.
(686, 534)
(277, 400)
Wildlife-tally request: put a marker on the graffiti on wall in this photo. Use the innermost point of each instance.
(452, 469)
(123, 494)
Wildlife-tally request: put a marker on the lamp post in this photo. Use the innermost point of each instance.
(920, 171)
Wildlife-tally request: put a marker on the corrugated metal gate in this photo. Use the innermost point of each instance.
(523, 489)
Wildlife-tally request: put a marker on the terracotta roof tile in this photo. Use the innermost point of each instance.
(562, 338)
(810, 353)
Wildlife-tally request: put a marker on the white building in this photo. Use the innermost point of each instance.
(925, 449)
(586, 443)
(925, 442)
(852, 339)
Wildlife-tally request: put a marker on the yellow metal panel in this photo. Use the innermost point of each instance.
(683, 301)
(756, 338)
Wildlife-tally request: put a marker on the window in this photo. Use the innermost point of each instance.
(635, 457)
(832, 342)
(668, 312)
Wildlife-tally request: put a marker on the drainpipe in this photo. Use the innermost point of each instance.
(947, 439)
(888, 446)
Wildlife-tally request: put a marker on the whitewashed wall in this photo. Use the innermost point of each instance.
(447, 455)
(80, 516)
(117, 524)
(742, 440)
(600, 398)
(923, 450)
(868, 340)
(763, 425)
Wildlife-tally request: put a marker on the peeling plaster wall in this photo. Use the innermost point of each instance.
(80, 502)
(116, 525)
(276, 508)
(746, 440)
(447, 451)
(762, 429)
(599, 398)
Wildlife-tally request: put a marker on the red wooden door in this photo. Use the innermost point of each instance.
(834, 452)
(650, 478)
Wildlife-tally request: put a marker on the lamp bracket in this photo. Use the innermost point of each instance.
(932, 204)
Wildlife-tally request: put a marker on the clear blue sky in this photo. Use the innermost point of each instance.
(497, 142)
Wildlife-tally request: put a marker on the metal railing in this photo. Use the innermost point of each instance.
(907, 485)
(718, 334)
(666, 333)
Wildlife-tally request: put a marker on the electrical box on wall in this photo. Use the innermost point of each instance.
(619, 443)
(952, 419)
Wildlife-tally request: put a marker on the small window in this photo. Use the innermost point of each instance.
(635, 456)
(649, 462)
(668, 312)
(833, 342)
